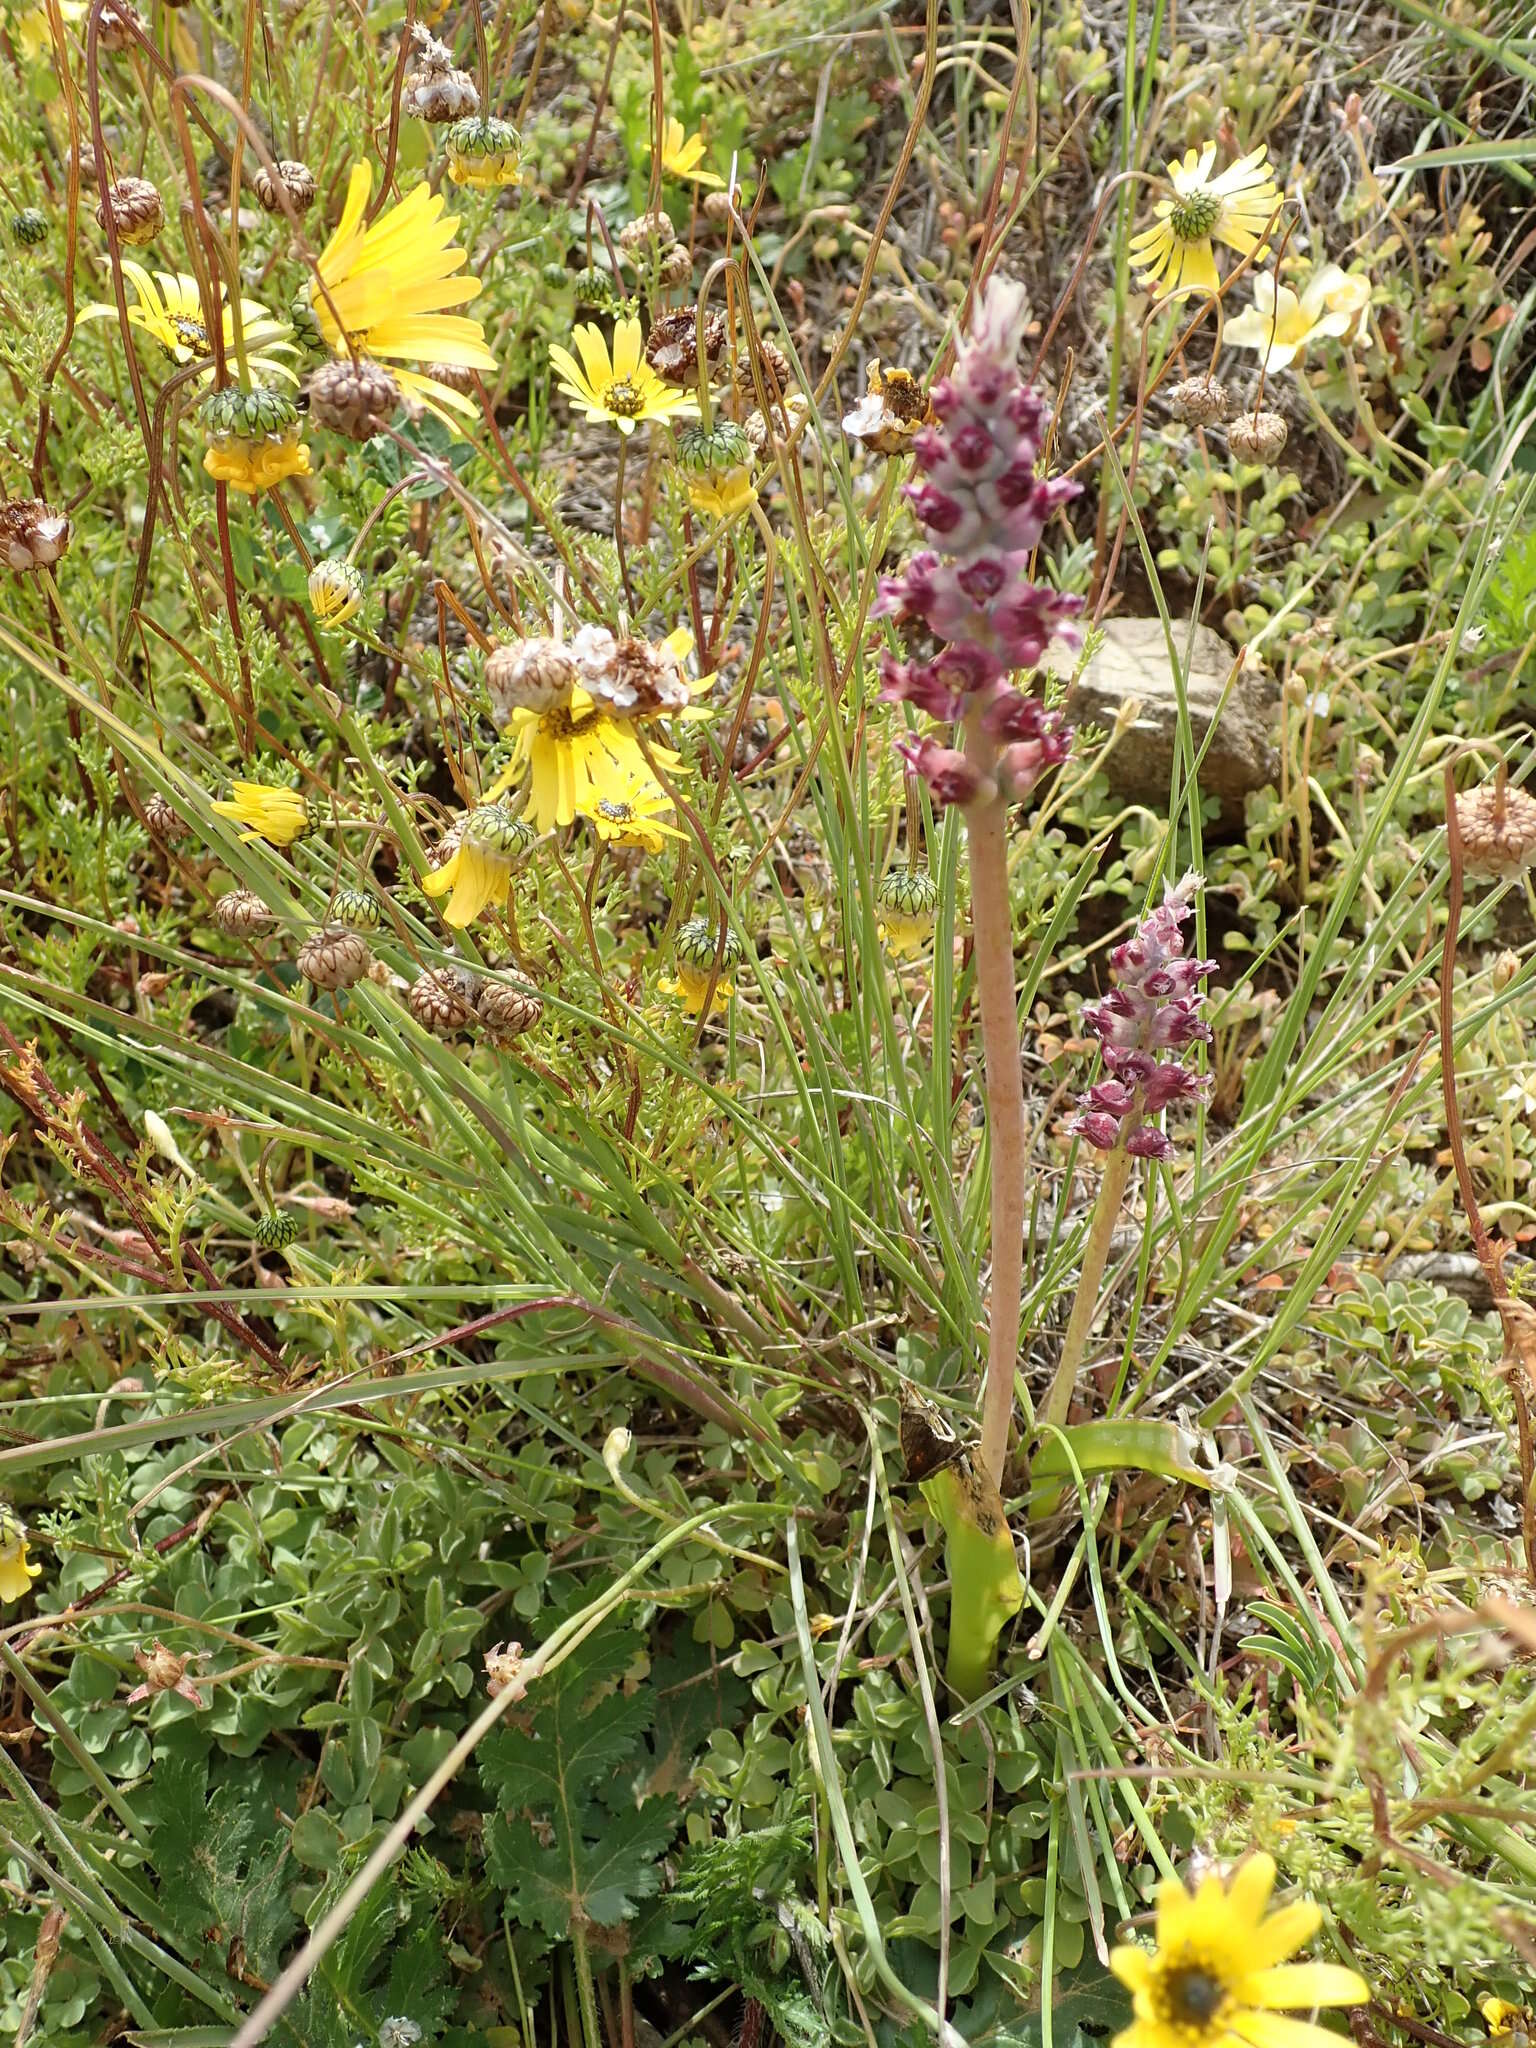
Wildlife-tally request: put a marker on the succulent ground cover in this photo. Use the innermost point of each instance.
(711, 1329)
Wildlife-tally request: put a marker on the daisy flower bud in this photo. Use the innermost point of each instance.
(907, 900)
(359, 910)
(253, 438)
(29, 227)
(484, 152)
(335, 591)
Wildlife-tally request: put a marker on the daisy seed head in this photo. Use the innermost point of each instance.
(118, 22)
(333, 957)
(508, 1010)
(1199, 401)
(1258, 437)
(713, 450)
(242, 912)
(672, 346)
(442, 1000)
(529, 675)
(295, 179)
(1498, 831)
(136, 210)
(644, 231)
(674, 266)
(32, 535)
(354, 400)
(162, 818)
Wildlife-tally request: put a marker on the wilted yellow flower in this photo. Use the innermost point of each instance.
(391, 284)
(268, 812)
(624, 390)
(1279, 325)
(907, 900)
(1219, 1970)
(1175, 255)
(16, 1571)
(683, 154)
(892, 412)
(170, 308)
(485, 152)
(335, 591)
(476, 875)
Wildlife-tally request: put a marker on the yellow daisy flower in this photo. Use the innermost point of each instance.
(682, 155)
(1279, 325)
(624, 390)
(170, 308)
(576, 759)
(478, 872)
(636, 820)
(392, 282)
(31, 27)
(268, 812)
(1175, 254)
(16, 1571)
(1219, 1978)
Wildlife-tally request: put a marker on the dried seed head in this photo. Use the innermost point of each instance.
(773, 360)
(89, 175)
(1505, 968)
(503, 1665)
(435, 89)
(358, 909)
(118, 21)
(1199, 401)
(796, 409)
(333, 957)
(163, 1670)
(674, 266)
(645, 231)
(455, 375)
(136, 210)
(672, 346)
(717, 208)
(529, 675)
(32, 535)
(631, 677)
(1498, 831)
(1257, 437)
(892, 413)
(442, 1000)
(29, 227)
(274, 1233)
(507, 1010)
(162, 818)
(293, 178)
(242, 912)
(353, 399)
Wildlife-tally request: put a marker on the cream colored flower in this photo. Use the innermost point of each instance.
(1279, 325)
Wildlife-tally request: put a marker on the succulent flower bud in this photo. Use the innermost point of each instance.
(1199, 401)
(907, 900)
(1257, 437)
(507, 1009)
(442, 1000)
(242, 912)
(335, 591)
(294, 179)
(484, 151)
(333, 957)
(529, 675)
(29, 227)
(1498, 831)
(359, 910)
(712, 450)
(275, 1232)
(253, 437)
(32, 535)
(136, 210)
(352, 399)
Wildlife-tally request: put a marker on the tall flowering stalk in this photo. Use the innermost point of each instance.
(1145, 1026)
(984, 508)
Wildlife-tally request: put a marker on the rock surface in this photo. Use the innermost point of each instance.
(1133, 663)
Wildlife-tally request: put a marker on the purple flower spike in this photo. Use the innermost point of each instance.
(1152, 1010)
(983, 508)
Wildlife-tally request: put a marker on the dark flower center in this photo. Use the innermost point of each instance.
(1191, 1996)
(622, 397)
(1194, 216)
(190, 333)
